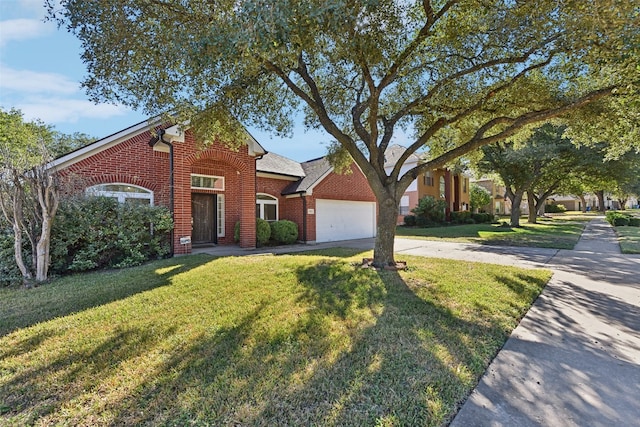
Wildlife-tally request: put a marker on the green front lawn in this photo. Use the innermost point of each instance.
(548, 233)
(629, 239)
(307, 339)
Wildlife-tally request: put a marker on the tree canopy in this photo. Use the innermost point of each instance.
(454, 74)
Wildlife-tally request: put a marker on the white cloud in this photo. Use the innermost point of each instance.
(26, 81)
(23, 29)
(60, 110)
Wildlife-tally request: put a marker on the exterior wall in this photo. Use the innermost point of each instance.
(456, 191)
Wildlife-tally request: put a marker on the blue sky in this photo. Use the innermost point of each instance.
(40, 74)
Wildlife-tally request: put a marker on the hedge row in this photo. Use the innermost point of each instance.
(282, 232)
(617, 219)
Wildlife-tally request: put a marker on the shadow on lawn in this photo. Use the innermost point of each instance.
(365, 348)
(21, 308)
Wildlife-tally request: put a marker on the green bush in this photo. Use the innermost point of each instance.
(553, 208)
(617, 218)
(621, 221)
(481, 218)
(469, 221)
(634, 221)
(429, 211)
(410, 220)
(9, 272)
(263, 231)
(236, 232)
(98, 232)
(284, 231)
(461, 217)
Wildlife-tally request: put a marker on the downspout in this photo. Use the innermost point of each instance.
(171, 188)
(304, 216)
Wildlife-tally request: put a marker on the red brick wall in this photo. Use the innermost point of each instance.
(353, 186)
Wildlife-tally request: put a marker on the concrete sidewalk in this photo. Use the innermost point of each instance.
(574, 360)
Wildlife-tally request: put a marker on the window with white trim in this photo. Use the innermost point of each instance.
(428, 179)
(404, 205)
(124, 193)
(207, 182)
(442, 188)
(266, 207)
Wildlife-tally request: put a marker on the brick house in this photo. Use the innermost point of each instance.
(209, 189)
(441, 183)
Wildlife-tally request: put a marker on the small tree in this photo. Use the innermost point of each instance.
(478, 197)
(429, 211)
(29, 195)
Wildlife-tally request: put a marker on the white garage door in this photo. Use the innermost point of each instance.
(344, 220)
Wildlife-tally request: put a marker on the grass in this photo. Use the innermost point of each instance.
(629, 239)
(307, 339)
(548, 233)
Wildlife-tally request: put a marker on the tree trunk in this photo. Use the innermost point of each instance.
(516, 199)
(583, 203)
(533, 212)
(600, 194)
(540, 206)
(17, 236)
(386, 233)
(622, 203)
(42, 253)
(48, 202)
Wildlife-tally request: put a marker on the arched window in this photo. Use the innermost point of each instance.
(124, 193)
(442, 188)
(266, 207)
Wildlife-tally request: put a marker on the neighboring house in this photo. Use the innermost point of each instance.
(211, 188)
(442, 184)
(500, 204)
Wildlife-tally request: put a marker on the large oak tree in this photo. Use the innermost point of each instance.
(455, 74)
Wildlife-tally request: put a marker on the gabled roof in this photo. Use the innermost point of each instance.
(277, 164)
(392, 155)
(315, 171)
(174, 133)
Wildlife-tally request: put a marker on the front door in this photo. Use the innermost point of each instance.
(204, 209)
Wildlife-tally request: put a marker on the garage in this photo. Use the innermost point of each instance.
(344, 220)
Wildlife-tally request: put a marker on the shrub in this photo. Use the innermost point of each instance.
(410, 220)
(9, 272)
(429, 211)
(634, 221)
(621, 221)
(617, 218)
(481, 218)
(98, 232)
(236, 232)
(284, 231)
(263, 231)
(469, 221)
(553, 208)
(460, 217)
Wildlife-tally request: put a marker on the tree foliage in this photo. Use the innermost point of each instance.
(29, 195)
(478, 197)
(454, 74)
